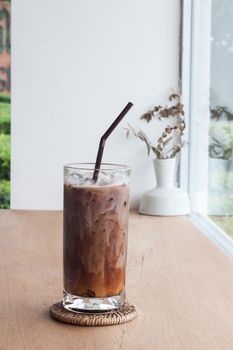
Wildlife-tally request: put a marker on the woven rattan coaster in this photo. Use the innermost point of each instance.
(123, 315)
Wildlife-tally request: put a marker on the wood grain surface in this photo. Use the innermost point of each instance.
(181, 283)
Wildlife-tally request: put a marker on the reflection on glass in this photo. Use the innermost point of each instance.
(220, 191)
(5, 100)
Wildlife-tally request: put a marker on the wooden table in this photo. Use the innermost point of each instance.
(180, 281)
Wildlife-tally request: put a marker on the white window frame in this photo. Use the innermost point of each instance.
(195, 87)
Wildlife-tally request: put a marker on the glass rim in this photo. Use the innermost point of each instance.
(91, 166)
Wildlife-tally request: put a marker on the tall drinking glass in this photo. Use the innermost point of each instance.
(95, 236)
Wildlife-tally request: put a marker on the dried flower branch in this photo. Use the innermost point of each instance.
(172, 133)
(141, 135)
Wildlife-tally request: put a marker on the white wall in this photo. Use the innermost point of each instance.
(75, 65)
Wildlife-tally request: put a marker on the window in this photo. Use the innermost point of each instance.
(208, 90)
(220, 189)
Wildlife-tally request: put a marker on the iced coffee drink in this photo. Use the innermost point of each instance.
(95, 237)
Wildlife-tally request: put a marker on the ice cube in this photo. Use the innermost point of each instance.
(75, 179)
(118, 178)
(104, 179)
(88, 181)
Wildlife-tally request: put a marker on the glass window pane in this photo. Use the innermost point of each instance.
(220, 184)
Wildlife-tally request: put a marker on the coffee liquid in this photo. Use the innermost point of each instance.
(95, 239)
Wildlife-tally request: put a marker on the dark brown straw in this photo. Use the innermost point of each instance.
(104, 138)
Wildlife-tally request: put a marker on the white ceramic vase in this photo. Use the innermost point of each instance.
(165, 199)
